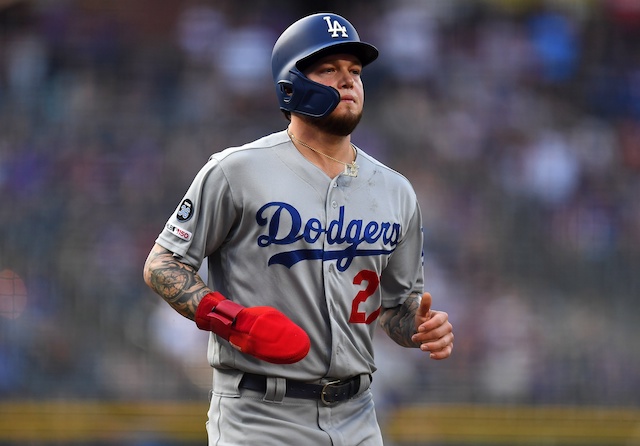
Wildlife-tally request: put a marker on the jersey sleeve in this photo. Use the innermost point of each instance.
(204, 217)
(404, 273)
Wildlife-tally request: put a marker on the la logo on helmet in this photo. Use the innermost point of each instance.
(335, 27)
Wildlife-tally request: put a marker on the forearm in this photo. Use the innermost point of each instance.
(177, 283)
(400, 322)
(263, 332)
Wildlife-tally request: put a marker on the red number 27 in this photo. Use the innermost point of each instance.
(357, 316)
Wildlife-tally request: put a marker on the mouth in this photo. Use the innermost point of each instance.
(348, 98)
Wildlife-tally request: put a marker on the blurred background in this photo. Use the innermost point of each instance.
(518, 123)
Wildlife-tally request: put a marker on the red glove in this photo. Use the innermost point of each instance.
(263, 332)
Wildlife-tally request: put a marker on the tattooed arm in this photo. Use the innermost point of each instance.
(399, 322)
(415, 324)
(263, 332)
(177, 283)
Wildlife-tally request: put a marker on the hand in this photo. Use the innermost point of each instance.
(434, 332)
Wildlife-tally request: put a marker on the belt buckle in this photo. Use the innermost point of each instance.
(323, 393)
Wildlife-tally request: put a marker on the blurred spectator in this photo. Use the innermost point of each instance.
(551, 170)
(413, 54)
(509, 340)
(553, 37)
(199, 30)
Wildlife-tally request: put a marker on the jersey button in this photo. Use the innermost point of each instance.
(334, 204)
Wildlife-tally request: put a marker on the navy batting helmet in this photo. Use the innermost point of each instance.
(299, 46)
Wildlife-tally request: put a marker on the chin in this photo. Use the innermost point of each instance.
(338, 123)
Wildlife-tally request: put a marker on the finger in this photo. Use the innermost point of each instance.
(438, 345)
(423, 312)
(439, 353)
(435, 334)
(425, 305)
(442, 354)
(437, 319)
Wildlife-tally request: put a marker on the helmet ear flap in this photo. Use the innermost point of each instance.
(299, 94)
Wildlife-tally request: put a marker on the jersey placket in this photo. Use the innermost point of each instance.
(333, 293)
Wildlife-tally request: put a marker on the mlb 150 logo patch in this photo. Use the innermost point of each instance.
(179, 232)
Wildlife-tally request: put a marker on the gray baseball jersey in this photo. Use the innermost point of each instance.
(328, 253)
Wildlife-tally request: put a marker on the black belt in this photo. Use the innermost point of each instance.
(331, 392)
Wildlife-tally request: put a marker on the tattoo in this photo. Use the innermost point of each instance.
(400, 322)
(176, 282)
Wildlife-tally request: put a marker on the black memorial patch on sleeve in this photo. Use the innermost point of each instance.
(185, 211)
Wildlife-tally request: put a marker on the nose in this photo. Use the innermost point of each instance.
(346, 80)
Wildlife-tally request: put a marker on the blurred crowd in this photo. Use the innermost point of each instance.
(518, 123)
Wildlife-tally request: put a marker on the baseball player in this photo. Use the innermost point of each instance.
(310, 243)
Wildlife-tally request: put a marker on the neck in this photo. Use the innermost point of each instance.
(331, 158)
(327, 143)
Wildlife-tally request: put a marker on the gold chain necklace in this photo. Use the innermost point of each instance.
(350, 169)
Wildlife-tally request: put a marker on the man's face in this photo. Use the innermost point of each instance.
(342, 72)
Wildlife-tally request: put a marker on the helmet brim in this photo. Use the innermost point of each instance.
(365, 52)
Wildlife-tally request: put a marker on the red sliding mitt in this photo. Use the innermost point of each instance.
(263, 332)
